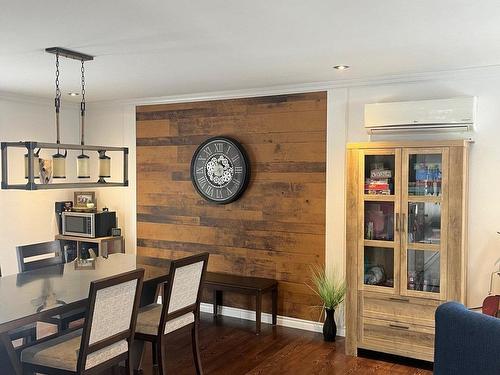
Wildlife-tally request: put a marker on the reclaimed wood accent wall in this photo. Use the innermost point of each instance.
(276, 229)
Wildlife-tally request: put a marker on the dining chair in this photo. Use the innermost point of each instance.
(26, 333)
(105, 339)
(39, 255)
(179, 309)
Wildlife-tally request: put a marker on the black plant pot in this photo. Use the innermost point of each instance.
(329, 327)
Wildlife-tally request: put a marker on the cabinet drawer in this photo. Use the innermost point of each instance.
(412, 310)
(410, 340)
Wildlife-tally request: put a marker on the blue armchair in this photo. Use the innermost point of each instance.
(467, 342)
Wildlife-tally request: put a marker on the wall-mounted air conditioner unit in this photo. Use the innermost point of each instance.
(456, 114)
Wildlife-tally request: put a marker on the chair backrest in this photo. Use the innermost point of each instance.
(35, 256)
(110, 319)
(182, 292)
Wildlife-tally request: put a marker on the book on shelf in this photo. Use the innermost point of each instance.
(377, 187)
(380, 174)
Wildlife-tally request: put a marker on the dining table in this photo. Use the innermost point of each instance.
(33, 296)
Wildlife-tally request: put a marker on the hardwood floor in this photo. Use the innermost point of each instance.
(230, 347)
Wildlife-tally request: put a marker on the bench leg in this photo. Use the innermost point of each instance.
(258, 312)
(275, 305)
(217, 301)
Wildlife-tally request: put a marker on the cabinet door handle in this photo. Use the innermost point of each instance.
(399, 299)
(397, 222)
(397, 326)
(403, 225)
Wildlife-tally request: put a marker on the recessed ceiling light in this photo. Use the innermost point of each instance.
(341, 67)
(73, 94)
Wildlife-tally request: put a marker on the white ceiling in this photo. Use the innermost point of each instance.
(156, 48)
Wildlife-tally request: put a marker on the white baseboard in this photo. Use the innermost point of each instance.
(285, 321)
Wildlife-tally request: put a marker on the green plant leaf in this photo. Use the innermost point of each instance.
(329, 287)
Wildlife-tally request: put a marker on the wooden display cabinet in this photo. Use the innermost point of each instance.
(406, 242)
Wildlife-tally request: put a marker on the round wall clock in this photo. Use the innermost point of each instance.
(220, 170)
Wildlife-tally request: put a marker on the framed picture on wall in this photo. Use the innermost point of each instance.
(85, 201)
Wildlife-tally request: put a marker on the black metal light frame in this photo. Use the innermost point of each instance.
(69, 54)
(31, 185)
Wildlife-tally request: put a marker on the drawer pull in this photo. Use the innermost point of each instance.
(399, 299)
(398, 326)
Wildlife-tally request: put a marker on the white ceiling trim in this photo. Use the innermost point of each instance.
(466, 73)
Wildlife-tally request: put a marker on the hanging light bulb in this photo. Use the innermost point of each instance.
(83, 166)
(36, 164)
(82, 161)
(104, 166)
(59, 164)
(58, 159)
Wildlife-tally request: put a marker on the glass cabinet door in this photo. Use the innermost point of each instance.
(423, 239)
(424, 222)
(424, 270)
(380, 173)
(378, 267)
(425, 174)
(379, 253)
(379, 221)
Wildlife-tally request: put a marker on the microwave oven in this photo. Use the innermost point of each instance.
(88, 224)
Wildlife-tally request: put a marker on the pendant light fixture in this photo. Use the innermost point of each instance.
(82, 161)
(58, 159)
(36, 164)
(32, 158)
(104, 166)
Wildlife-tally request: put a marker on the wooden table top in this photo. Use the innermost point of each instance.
(29, 296)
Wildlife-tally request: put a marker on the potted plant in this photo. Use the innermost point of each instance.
(331, 289)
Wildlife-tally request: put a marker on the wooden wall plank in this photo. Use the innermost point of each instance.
(277, 228)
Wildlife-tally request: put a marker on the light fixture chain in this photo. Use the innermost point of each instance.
(83, 85)
(82, 106)
(57, 101)
(58, 91)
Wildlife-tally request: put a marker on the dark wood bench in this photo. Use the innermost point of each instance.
(257, 286)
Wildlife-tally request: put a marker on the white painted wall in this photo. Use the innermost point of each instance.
(335, 189)
(28, 216)
(114, 125)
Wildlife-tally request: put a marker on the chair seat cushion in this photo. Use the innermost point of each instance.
(62, 352)
(149, 319)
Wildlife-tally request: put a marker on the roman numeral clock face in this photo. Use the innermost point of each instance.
(220, 170)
